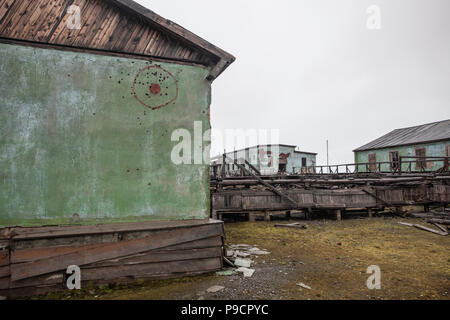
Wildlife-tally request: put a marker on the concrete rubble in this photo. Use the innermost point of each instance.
(240, 255)
(246, 271)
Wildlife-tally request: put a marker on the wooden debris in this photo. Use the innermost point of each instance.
(441, 221)
(418, 226)
(292, 225)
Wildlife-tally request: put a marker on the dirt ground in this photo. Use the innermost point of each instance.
(331, 257)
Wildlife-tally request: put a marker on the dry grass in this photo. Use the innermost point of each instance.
(414, 264)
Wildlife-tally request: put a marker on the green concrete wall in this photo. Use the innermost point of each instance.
(74, 140)
(436, 149)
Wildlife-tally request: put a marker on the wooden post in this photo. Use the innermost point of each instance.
(267, 216)
(214, 214)
(308, 214)
(370, 212)
(288, 214)
(251, 217)
(338, 215)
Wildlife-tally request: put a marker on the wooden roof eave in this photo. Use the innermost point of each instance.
(224, 58)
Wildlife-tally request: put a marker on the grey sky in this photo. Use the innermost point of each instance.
(314, 70)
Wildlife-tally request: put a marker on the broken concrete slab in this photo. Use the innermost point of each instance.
(258, 252)
(215, 289)
(246, 271)
(246, 263)
(241, 254)
(230, 253)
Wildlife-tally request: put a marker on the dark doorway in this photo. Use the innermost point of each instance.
(420, 162)
(395, 161)
(303, 162)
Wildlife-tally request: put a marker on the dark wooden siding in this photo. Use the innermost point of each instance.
(104, 26)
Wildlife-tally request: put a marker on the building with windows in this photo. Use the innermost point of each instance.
(418, 148)
(269, 159)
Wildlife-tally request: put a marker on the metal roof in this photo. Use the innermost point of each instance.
(425, 133)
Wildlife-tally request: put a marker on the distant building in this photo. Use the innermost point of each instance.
(424, 141)
(269, 159)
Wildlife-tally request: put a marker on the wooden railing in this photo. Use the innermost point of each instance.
(405, 164)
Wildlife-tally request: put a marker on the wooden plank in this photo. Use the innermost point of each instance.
(5, 6)
(4, 258)
(111, 251)
(28, 255)
(160, 256)
(136, 271)
(418, 226)
(4, 283)
(151, 270)
(441, 221)
(55, 231)
(5, 271)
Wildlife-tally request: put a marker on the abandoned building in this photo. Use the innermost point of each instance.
(418, 148)
(86, 116)
(268, 159)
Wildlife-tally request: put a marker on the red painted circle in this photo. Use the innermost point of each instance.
(155, 88)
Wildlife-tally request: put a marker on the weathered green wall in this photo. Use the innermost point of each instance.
(436, 149)
(73, 139)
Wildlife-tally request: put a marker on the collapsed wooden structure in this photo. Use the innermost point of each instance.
(332, 193)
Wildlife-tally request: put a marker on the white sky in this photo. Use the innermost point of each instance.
(313, 69)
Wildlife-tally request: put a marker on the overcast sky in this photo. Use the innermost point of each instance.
(314, 70)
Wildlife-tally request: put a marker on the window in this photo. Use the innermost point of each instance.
(373, 162)
(303, 162)
(394, 159)
(420, 162)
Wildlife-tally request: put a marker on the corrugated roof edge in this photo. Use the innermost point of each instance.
(225, 59)
(365, 148)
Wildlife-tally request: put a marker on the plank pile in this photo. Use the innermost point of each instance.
(35, 260)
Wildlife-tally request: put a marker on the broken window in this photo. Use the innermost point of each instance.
(420, 161)
(394, 159)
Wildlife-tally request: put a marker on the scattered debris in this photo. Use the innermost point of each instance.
(440, 227)
(243, 262)
(441, 221)
(246, 271)
(292, 225)
(418, 226)
(224, 273)
(258, 252)
(301, 284)
(230, 253)
(241, 254)
(215, 289)
(228, 262)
